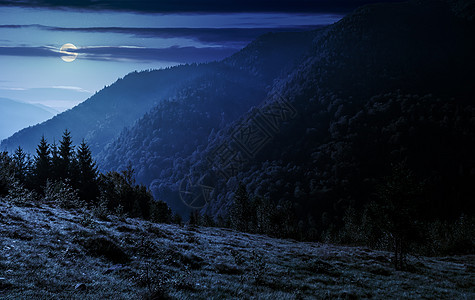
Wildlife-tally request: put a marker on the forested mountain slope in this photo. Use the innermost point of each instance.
(102, 116)
(177, 126)
(388, 84)
(181, 126)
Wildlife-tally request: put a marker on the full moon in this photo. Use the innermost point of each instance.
(68, 56)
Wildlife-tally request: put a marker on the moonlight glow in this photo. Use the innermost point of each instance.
(68, 56)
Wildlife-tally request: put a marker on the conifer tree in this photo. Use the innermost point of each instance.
(66, 156)
(21, 163)
(55, 162)
(87, 173)
(42, 164)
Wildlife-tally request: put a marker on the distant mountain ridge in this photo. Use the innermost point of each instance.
(100, 118)
(16, 115)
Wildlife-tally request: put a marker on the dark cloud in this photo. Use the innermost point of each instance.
(220, 36)
(334, 6)
(171, 54)
(29, 51)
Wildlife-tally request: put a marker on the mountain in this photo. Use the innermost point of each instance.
(101, 118)
(210, 102)
(388, 84)
(71, 254)
(176, 128)
(16, 115)
(314, 121)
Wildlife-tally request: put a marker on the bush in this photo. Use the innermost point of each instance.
(445, 238)
(100, 246)
(19, 195)
(121, 195)
(100, 211)
(62, 194)
(160, 212)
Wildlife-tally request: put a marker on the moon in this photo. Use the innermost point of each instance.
(68, 56)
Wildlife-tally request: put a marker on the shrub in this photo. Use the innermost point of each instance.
(121, 195)
(19, 195)
(101, 246)
(62, 194)
(445, 238)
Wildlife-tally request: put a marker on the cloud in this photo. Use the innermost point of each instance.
(71, 88)
(203, 35)
(12, 89)
(215, 36)
(58, 87)
(30, 51)
(166, 6)
(171, 54)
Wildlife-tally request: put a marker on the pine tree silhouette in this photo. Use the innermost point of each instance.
(87, 173)
(42, 164)
(21, 163)
(66, 154)
(54, 161)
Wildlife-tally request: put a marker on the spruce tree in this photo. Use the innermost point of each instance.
(55, 162)
(42, 164)
(66, 156)
(21, 163)
(87, 173)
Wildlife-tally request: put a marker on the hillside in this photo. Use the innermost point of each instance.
(11, 120)
(387, 84)
(49, 252)
(101, 117)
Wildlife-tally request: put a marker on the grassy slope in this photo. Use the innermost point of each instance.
(43, 255)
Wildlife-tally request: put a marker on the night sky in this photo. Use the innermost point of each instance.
(114, 38)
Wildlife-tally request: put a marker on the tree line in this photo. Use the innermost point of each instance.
(392, 221)
(67, 174)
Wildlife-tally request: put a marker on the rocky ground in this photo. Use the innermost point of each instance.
(50, 253)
